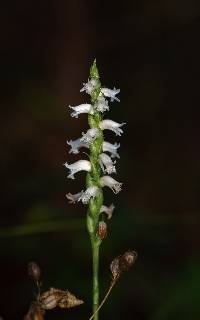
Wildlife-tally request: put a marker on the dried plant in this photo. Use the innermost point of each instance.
(49, 299)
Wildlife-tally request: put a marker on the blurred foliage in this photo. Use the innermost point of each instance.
(181, 299)
(161, 285)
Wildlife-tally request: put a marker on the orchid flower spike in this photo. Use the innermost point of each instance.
(76, 145)
(99, 166)
(80, 165)
(111, 148)
(73, 198)
(106, 163)
(89, 86)
(91, 192)
(112, 125)
(111, 183)
(90, 135)
(111, 93)
(82, 108)
(108, 210)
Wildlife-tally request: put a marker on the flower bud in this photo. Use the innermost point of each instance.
(34, 271)
(102, 230)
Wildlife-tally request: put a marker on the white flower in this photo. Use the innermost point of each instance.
(82, 108)
(101, 104)
(106, 163)
(76, 145)
(112, 125)
(108, 181)
(73, 197)
(108, 210)
(111, 93)
(89, 86)
(90, 135)
(111, 148)
(80, 165)
(89, 193)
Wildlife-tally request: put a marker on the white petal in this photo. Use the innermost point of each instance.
(90, 135)
(76, 145)
(89, 86)
(73, 198)
(90, 192)
(82, 108)
(108, 181)
(106, 163)
(111, 93)
(80, 165)
(101, 104)
(108, 210)
(112, 125)
(111, 148)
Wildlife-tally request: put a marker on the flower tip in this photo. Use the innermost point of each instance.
(116, 90)
(73, 198)
(70, 176)
(93, 70)
(65, 164)
(114, 185)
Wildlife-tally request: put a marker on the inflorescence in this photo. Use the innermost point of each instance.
(101, 163)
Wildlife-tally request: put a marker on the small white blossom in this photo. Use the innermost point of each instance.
(106, 163)
(89, 86)
(90, 135)
(101, 104)
(108, 181)
(73, 198)
(108, 210)
(112, 125)
(111, 93)
(76, 145)
(89, 193)
(82, 108)
(80, 165)
(111, 148)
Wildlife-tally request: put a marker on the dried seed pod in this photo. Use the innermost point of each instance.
(127, 260)
(102, 230)
(114, 267)
(49, 299)
(35, 312)
(122, 263)
(68, 300)
(58, 298)
(34, 271)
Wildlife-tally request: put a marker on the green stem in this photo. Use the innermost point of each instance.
(92, 179)
(95, 258)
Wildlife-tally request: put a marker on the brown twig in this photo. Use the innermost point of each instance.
(105, 298)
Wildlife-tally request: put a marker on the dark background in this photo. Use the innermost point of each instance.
(150, 50)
